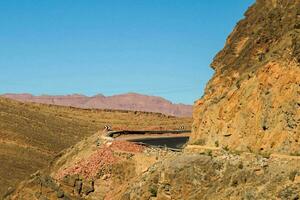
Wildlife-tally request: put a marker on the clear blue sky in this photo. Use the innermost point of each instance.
(156, 47)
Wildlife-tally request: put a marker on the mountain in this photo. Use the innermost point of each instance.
(31, 135)
(245, 142)
(252, 103)
(130, 101)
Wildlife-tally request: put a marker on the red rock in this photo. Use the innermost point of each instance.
(104, 156)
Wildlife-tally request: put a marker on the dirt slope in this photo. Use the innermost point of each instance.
(252, 103)
(130, 101)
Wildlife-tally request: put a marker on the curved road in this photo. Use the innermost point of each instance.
(173, 139)
(170, 142)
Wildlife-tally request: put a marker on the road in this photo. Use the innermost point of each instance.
(170, 142)
(173, 139)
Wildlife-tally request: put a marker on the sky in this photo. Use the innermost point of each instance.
(155, 47)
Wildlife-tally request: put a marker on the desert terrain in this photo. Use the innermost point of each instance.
(244, 143)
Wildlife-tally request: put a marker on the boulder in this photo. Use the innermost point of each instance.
(88, 187)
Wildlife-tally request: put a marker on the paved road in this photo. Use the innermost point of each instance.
(174, 139)
(115, 134)
(170, 142)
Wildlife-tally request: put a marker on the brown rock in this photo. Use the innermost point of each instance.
(88, 187)
(253, 96)
(78, 187)
(70, 180)
(60, 193)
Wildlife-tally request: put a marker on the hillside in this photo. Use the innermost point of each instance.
(130, 101)
(32, 134)
(118, 170)
(252, 103)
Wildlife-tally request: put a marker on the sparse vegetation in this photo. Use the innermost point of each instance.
(235, 152)
(208, 152)
(295, 154)
(200, 142)
(241, 166)
(217, 143)
(250, 149)
(153, 191)
(226, 148)
(292, 175)
(265, 154)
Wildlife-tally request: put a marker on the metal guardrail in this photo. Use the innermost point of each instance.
(114, 134)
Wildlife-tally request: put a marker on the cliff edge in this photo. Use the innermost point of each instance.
(252, 103)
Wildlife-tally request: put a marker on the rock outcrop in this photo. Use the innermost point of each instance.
(252, 103)
(223, 177)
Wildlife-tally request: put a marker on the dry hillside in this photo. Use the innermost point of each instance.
(118, 170)
(32, 134)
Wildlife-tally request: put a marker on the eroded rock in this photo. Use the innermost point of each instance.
(250, 104)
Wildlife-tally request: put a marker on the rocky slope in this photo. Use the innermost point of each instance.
(123, 171)
(211, 177)
(130, 101)
(92, 169)
(252, 103)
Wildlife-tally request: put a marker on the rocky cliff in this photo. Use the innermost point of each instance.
(252, 103)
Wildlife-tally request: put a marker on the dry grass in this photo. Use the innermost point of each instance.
(32, 134)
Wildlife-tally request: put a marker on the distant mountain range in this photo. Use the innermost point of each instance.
(129, 101)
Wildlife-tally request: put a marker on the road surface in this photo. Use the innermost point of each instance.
(170, 142)
(173, 139)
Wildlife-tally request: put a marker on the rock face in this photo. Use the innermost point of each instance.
(252, 103)
(195, 176)
(130, 101)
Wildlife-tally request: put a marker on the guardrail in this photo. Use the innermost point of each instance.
(114, 134)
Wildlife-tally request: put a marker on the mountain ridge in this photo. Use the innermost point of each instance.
(127, 101)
